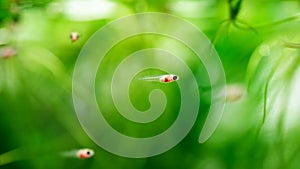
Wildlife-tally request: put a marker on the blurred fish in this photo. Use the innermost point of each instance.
(74, 36)
(20, 154)
(81, 153)
(8, 52)
(162, 78)
(234, 92)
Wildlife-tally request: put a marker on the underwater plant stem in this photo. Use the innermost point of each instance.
(264, 113)
(292, 45)
(265, 99)
(12, 156)
(244, 26)
(292, 18)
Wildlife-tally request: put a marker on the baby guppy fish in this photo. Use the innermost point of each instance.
(81, 153)
(27, 154)
(85, 153)
(74, 36)
(8, 52)
(163, 78)
(234, 92)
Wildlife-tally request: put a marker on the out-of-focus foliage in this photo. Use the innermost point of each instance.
(258, 46)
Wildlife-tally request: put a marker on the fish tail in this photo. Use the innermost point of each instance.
(150, 78)
(69, 154)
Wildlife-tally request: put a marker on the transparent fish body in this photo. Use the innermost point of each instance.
(162, 78)
(81, 153)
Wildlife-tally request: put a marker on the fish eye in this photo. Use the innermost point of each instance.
(175, 77)
(88, 152)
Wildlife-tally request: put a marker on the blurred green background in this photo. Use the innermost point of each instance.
(257, 42)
